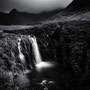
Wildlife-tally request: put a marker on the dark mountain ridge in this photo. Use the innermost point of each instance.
(23, 18)
(76, 10)
(79, 5)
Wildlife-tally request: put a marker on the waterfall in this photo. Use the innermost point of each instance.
(21, 55)
(39, 64)
(35, 49)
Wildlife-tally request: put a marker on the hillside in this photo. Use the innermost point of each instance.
(77, 10)
(23, 18)
(67, 43)
(79, 5)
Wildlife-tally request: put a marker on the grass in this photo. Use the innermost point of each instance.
(14, 27)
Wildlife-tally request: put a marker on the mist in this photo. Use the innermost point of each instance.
(34, 6)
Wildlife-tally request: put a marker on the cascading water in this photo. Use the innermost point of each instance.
(35, 48)
(21, 55)
(39, 64)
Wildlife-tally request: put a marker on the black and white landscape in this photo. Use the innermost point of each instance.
(46, 50)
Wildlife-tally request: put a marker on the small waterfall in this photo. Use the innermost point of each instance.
(35, 49)
(39, 64)
(21, 56)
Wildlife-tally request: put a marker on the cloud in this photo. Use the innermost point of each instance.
(37, 5)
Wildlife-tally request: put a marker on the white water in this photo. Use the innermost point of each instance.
(35, 48)
(39, 64)
(21, 56)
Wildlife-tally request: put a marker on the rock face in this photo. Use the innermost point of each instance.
(68, 44)
(13, 73)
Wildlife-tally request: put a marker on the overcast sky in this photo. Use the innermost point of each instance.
(33, 5)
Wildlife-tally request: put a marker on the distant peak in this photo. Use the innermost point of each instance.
(13, 11)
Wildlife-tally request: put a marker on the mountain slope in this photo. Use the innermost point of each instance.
(77, 10)
(23, 18)
(79, 5)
